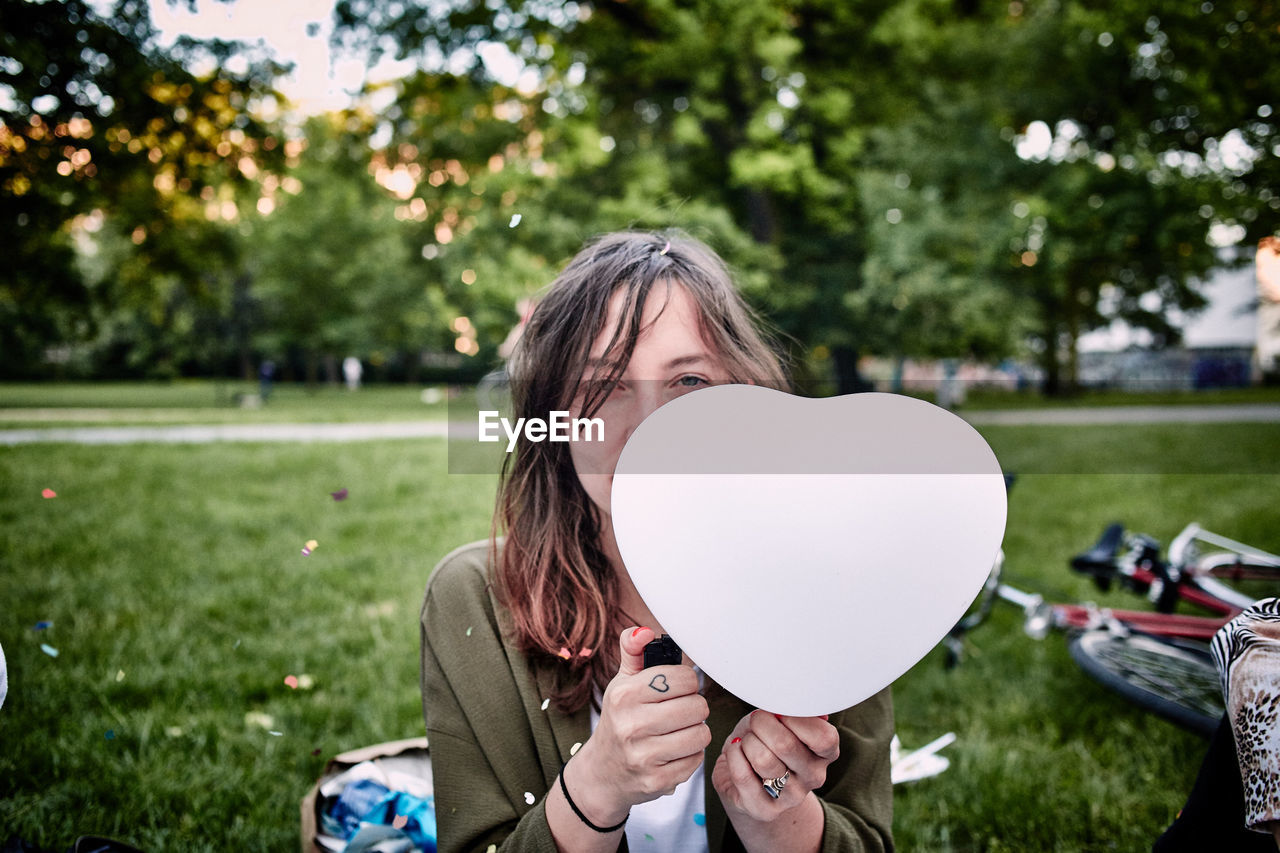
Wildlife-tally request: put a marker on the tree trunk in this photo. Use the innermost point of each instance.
(848, 379)
(313, 369)
(331, 369)
(1073, 337)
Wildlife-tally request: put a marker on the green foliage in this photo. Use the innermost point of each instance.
(103, 133)
(868, 166)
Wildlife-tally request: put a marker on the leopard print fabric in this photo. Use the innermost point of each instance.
(1247, 651)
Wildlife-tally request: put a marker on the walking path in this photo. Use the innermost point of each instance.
(203, 434)
(1239, 413)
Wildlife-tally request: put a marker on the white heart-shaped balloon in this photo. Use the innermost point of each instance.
(806, 552)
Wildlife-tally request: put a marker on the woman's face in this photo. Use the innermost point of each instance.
(670, 359)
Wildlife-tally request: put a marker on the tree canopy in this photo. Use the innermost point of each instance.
(939, 178)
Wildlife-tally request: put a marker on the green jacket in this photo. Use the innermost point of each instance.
(494, 748)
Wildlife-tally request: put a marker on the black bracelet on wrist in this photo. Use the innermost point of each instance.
(568, 799)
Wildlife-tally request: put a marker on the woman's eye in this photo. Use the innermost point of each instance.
(691, 381)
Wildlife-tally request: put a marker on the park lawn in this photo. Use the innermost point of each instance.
(208, 401)
(203, 401)
(180, 601)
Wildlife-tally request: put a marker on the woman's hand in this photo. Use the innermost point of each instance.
(767, 746)
(650, 738)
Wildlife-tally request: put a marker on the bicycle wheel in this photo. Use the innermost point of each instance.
(1177, 682)
(1236, 580)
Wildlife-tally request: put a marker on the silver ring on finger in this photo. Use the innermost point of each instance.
(773, 787)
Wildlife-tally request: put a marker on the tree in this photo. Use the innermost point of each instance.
(102, 135)
(330, 261)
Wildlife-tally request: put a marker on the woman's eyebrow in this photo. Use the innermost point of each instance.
(685, 360)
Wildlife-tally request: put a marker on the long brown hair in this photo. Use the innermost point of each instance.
(551, 574)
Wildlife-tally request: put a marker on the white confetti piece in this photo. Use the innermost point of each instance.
(573, 750)
(119, 675)
(515, 220)
(530, 798)
(257, 718)
(545, 703)
(49, 650)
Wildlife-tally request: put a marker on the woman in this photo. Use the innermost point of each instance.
(545, 732)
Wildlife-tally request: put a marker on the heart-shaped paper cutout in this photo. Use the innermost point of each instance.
(806, 552)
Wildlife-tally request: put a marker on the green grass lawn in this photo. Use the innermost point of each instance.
(206, 402)
(180, 601)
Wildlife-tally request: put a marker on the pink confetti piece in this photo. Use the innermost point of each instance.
(400, 821)
(292, 681)
(340, 495)
(666, 248)
(48, 493)
(49, 650)
(585, 653)
(564, 653)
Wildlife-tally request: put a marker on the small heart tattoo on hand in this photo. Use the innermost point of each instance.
(660, 684)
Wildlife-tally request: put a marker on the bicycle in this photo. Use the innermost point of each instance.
(1158, 660)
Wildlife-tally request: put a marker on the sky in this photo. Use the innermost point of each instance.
(295, 31)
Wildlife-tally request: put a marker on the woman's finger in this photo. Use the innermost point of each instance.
(749, 793)
(764, 762)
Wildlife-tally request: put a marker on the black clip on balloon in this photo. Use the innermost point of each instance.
(662, 651)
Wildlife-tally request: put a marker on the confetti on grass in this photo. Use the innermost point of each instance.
(309, 547)
(111, 734)
(48, 493)
(119, 675)
(292, 681)
(42, 625)
(49, 650)
(515, 220)
(257, 718)
(340, 495)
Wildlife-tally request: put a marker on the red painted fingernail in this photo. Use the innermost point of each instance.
(826, 716)
(637, 631)
(777, 716)
(736, 740)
